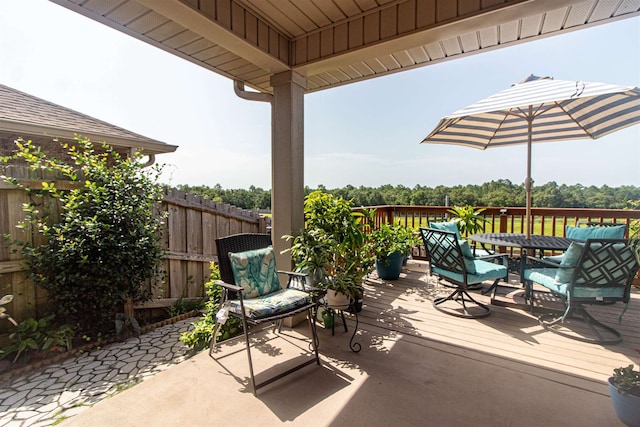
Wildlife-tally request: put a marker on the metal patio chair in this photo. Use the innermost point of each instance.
(252, 293)
(452, 261)
(595, 272)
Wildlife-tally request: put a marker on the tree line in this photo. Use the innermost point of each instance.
(493, 193)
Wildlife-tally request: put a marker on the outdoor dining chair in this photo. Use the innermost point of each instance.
(591, 230)
(595, 272)
(252, 293)
(452, 261)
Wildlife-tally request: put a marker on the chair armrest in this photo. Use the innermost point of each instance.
(298, 278)
(292, 273)
(228, 286)
(545, 262)
(491, 257)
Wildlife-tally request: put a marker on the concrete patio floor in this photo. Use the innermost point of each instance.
(417, 367)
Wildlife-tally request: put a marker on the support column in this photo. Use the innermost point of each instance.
(287, 161)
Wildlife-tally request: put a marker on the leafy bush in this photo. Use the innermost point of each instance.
(106, 242)
(38, 337)
(200, 336)
(335, 241)
(468, 218)
(389, 239)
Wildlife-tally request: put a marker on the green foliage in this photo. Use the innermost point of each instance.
(106, 243)
(627, 380)
(494, 193)
(388, 239)
(200, 336)
(183, 306)
(468, 219)
(37, 337)
(334, 239)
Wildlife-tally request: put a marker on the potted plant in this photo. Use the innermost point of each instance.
(391, 244)
(468, 219)
(624, 389)
(335, 240)
(328, 317)
(311, 250)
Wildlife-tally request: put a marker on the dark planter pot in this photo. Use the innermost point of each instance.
(389, 268)
(627, 407)
(357, 300)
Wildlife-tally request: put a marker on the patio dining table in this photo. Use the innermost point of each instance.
(533, 243)
(528, 246)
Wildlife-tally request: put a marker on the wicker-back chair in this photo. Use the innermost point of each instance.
(460, 270)
(595, 272)
(270, 306)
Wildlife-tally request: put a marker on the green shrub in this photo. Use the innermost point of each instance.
(200, 336)
(106, 243)
(38, 337)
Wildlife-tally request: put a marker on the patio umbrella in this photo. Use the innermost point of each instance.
(540, 109)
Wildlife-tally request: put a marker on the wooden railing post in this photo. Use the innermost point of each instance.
(503, 228)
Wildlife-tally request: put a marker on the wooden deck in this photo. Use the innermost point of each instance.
(404, 307)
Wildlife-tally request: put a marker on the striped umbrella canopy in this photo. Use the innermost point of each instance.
(540, 109)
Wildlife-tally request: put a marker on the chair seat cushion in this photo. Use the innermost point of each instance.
(484, 271)
(547, 278)
(255, 271)
(276, 303)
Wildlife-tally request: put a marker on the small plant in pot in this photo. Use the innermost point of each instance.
(624, 389)
(328, 317)
(468, 219)
(391, 244)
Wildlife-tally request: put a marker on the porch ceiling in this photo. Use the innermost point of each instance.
(336, 42)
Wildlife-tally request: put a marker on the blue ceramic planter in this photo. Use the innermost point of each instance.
(389, 268)
(627, 407)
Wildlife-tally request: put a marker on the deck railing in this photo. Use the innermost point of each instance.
(545, 221)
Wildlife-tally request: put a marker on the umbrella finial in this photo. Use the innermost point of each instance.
(533, 78)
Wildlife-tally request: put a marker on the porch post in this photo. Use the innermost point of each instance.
(287, 161)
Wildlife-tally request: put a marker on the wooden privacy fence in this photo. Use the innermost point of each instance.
(189, 234)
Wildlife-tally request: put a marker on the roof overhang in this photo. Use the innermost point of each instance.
(337, 42)
(30, 130)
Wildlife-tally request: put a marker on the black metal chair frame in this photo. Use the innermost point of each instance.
(444, 251)
(245, 242)
(590, 272)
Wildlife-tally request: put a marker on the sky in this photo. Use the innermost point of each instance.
(363, 134)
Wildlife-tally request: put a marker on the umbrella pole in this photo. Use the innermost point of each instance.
(528, 183)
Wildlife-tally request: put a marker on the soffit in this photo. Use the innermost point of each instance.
(336, 42)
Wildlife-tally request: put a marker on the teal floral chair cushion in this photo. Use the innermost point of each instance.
(273, 304)
(255, 271)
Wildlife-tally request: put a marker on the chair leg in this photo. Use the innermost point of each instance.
(212, 343)
(246, 339)
(462, 297)
(255, 386)
(314, 335)
(551, 322)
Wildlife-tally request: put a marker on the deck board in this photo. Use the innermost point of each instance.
(404, 307)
